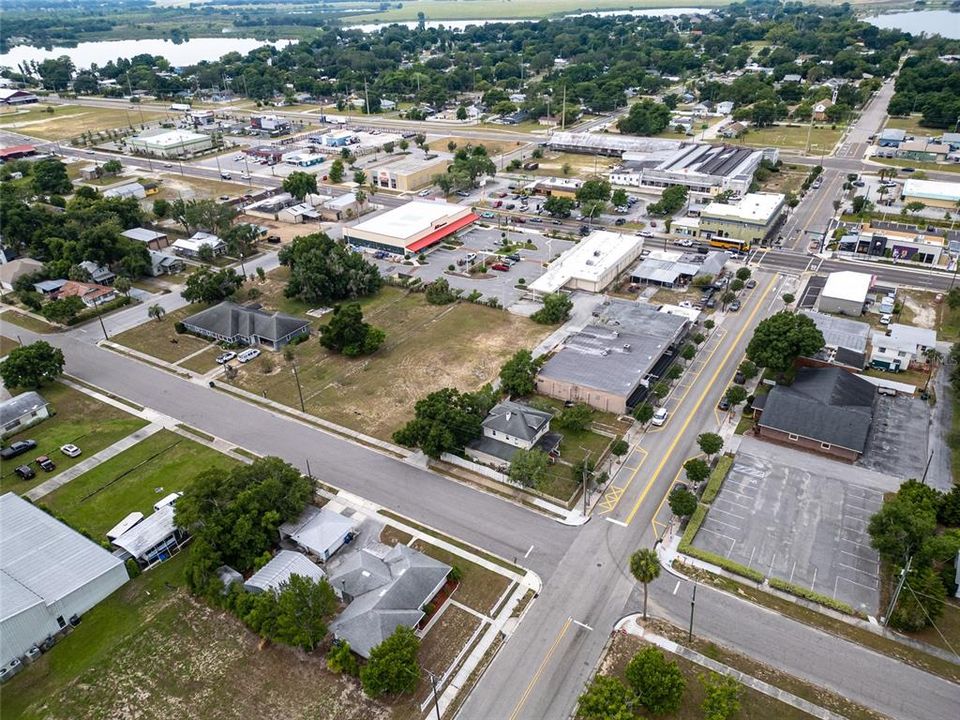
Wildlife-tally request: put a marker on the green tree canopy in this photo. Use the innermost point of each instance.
(446, 420)
(336, 171)
(323, 272)
(556, 309)
(518, 373)
(683, 503)
(645, 568)
(303, 609)
(529, 467)
(721, 699)
(710, 443)
(300, 184)
(63, 310)
(392, 668)
(594, 189)
(32, 366)
(780, 339)
(558, 207)
(657, 682)
(606, 698)
(211, 286)
(697, 470)
(50, 177)
(645, 118)
(348, 334)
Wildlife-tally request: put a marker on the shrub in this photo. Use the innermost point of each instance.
(133, 570)
(806, 594)
(179, 328)
(717, 477)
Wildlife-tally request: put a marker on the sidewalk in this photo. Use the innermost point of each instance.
(631, 626)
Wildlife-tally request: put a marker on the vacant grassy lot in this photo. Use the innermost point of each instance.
(133, 480)
(493, 147)
(160, 339)
(174, 186)
(204, 362)
(68, 121)
(428, 347)
(446, 639)
(786, 181)
(552, 164)
(753, 705)
(912, 125)
(479, 588)
(151, 651)
(19, 319)
(6, 345)
(793, 137)
(79, 419)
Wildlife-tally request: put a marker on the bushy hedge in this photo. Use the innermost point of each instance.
(686, 547)
(806, 594)
(717, 477)
(91, 313)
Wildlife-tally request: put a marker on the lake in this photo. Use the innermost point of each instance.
(188, 52)
(931, 22)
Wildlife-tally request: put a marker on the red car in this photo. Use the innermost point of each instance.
(502, 267)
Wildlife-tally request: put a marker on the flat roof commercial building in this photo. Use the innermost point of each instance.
(611, 362)
(408, 172)
(845, 292)
(749, 221)
(171, 143)
(704, 169)
(411, 228)
(49, 573)
(909, 243)
(608, 144)
(932, 193)
(592, 264)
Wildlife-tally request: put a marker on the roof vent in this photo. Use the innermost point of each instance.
(626, 346)
(509, 414)
(604, 352)
(596, 253)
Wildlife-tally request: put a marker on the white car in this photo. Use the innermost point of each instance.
(659, 417)
(248, 355)
(168, 165)
(885, 319)
(685, 243)
(245, 176)
(424, 193)
(70, 450)
(685, 304)
(645, 233)
(225, 357)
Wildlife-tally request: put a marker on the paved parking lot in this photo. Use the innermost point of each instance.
(810, 294)
(898, 440)
(803, 526)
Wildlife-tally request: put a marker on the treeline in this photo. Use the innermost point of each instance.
(931, 87)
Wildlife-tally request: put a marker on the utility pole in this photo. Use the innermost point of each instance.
(100, 318)
(586, 459)
(693, 605)
(563, 110)
(436, 700)
(299, 391)
(896, 594)
(926, 468)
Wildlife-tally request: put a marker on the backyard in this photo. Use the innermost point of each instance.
(132, 481)
(79, 419)
(428, 347)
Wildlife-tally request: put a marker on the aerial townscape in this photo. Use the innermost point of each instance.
(479, 360)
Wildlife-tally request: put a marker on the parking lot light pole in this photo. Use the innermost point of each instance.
(693, 605)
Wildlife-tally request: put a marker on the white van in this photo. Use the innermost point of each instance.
(248, 355)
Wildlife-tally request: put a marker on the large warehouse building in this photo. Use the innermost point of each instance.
(411, 228)
(591, 264)
(704, 169)
(932, 193)
(49, 573)
(171, 143)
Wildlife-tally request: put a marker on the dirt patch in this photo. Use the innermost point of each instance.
(924, 316)
(447, 638)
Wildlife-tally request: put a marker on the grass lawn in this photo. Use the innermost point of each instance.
(912, 125)
(174, 186)
(913, 377)
(479, 588)
(552, 163)
(938, 167)
(6, 345)
(428, 347)
(753, 705)
(494, 147)
(14, 317)
(793, 137)
(392, 536)
(785, 181)
(79, 419)
(204, 362)
(152, 644)
(446, 639)
(133, 480)
(69, 121)
(161, 340)
(271, 293)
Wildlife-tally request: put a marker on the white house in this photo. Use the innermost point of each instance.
(22, 411)
(512, 426)
(318, 532)
(900, 347)
(191, 247)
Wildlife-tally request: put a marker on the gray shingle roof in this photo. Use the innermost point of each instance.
(231, 320)
(825, 404)
(517, 420)
(373, 616)
(20, 405)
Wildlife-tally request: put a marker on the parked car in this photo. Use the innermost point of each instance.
(645, 234)
(734, 306)
(885, 319)
(461, 193)
(17, 448)
(739, 378)
(685, 242)
(711, 302)
(70, 450)
(858, 183)
(584, 230)
(424, 193)
(471, 256)
(225, 357)
(751, 283)
(245, 176)
(488, 215)
(46, 464)
(510, 206)
(908, 169)
(248, 355)
(500, 267)
(226, 176)
(25, 472)
(536, 220)
(515, 257)
(620, 221)
(724, 404)
(558, 222)
(659, 417)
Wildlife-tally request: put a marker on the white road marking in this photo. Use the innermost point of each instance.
(527, 554)
(616, 522)
(676, 588)
(584, 626)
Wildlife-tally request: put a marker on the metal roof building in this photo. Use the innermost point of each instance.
(590, 265)
(318, 531)
(154, 539)
(279, 570)
(48, 573)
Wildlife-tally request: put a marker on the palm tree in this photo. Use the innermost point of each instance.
(122, 284)
(645, 567)
(156, 312)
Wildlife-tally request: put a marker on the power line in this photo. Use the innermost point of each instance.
(930, 619)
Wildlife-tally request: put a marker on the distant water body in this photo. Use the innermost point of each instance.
(931, 22)
(188, 52)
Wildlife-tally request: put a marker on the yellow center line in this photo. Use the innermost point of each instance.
(703, 395)
(536, 675)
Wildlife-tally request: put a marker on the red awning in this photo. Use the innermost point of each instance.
(438, 235)
(17, 150)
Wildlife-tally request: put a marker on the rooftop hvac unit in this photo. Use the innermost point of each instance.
(626, 346)
(596, 253)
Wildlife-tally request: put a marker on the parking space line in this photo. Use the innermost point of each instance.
(721, 522)
(727, 512)
(852, 582)
(718, 534)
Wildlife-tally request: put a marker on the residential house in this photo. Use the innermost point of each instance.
(891, 137)
(154, 539)
(733, 130)
(21, 411)
(91, 293)
(12, 96)
(386, 588)
(901, 347)
(512, 426)
(12, 271)
(820, 110)
(134, 190)
(48, 288)
(792, 78)
(163, 264)
(825, 410)
(277, 573)
(99, 274)
(237, 324)
(318, 532)
(725, 107)
(192, 246)
(151, 238)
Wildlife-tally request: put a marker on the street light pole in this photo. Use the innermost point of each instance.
(693, 605)
(100, 318)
